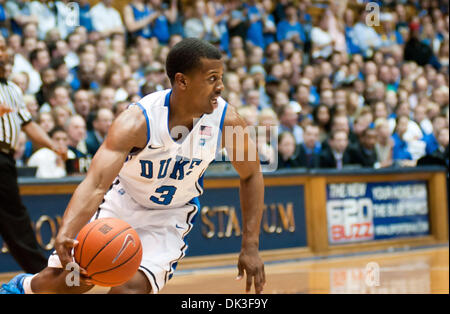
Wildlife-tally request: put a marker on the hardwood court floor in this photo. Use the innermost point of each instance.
(421, 271)
(418, 271)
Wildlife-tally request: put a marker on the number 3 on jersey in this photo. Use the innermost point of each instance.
(167, 192)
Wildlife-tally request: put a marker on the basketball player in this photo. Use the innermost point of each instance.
(149, 177)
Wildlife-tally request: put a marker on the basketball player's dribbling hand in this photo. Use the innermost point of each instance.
(64, 247)
(250, 263)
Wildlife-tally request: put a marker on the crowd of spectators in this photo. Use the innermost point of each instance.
(341, 90)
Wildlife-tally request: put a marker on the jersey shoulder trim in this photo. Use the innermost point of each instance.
(224, 112)
(146, 119)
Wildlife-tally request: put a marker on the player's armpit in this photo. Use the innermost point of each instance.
(127, 131)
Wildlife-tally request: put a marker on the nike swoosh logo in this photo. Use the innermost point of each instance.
(177, 226)
(128, 240)
(151, 147)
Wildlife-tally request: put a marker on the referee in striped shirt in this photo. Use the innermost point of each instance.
(15, 223)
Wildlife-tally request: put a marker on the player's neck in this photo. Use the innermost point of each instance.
(181, 112)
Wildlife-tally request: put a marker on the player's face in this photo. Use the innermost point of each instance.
(206, 85)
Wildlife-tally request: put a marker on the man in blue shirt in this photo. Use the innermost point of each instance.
(269, 25)
(20, 14)
(352, 44)
(85, 15)
(161, 26)
(3, 19)
(290, 28)
(255, 30)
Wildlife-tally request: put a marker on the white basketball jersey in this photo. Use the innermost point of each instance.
(169, 173)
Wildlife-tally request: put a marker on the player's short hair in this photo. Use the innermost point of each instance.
(185, 56)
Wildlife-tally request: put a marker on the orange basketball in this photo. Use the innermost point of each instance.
(110, 251)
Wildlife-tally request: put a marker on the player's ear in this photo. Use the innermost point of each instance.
(180, 80)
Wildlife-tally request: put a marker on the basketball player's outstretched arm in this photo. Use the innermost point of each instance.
(252, 199)
(128, 130)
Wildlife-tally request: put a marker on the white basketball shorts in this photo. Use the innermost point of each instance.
(162, 233)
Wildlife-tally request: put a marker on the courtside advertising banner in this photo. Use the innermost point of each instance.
(217, 226)
(361, 212)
